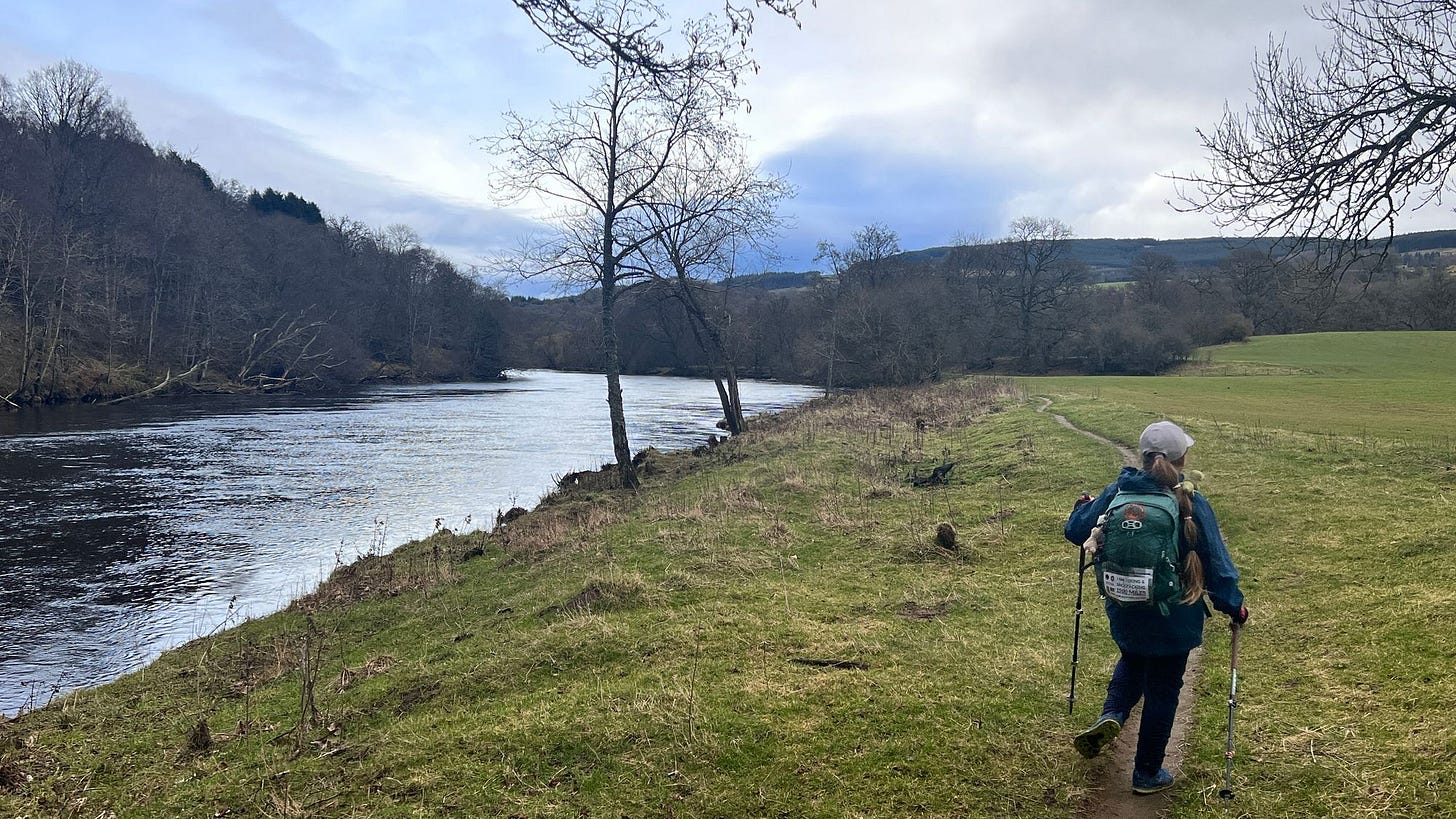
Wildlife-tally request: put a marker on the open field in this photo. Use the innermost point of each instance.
(1386, 385)
(655, 655)
(1348, 548)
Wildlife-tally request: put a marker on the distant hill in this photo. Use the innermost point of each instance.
(774, 280)
(1426, 241)
(1110, 258)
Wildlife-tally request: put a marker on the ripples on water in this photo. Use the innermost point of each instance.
(131, 529)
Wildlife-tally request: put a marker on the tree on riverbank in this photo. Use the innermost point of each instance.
(708, 211)
(605, 162)
(586, 30)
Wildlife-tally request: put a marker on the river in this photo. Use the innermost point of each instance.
(131, 529)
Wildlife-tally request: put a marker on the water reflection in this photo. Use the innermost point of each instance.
(133, 528)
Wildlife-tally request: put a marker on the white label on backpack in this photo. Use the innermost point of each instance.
(1134, 587)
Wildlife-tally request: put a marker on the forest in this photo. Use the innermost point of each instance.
(127, 269)
(1020, 304)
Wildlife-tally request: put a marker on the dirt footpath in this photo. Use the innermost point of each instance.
(1111, 779)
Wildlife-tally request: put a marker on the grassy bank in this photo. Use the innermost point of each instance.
(770, 629)
(1347, 543)
(648, 655)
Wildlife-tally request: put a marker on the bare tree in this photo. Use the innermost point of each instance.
(8, 102)
(69, 98)
(1152, 275)
(853, 266)
(1036, 277)
(590, 31)
(710, 209)
(1330, 154)
(601, 161)
(73, 113)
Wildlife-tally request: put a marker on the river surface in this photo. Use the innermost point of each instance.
(128, 530)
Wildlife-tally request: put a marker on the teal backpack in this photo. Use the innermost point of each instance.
(1138, 562)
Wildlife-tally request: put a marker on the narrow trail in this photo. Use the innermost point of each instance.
(1111, 779)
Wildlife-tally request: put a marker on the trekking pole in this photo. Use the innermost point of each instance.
(1082, 565)
(1227, 792)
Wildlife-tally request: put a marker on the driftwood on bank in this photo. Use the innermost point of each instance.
(162, 385)
(938, 476)
(269, 344)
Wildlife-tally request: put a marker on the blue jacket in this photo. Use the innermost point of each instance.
(1139, 630)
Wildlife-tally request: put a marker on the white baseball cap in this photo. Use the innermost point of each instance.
(1165, 437)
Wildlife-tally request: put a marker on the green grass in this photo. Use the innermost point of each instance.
(1414, 355)
(482, 688)
(636, 655)
(1375, 384)
(1348, 549)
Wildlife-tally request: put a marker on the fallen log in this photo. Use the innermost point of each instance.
(938, 476)
(161, 386)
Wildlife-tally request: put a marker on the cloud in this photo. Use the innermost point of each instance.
(936, 117)
(847, 183)
(262, 154)
(288, 61)
(1077, 108)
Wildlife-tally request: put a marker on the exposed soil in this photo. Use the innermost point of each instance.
(1112, 797)
(917, 611)
(1111, 776)
(12, 777)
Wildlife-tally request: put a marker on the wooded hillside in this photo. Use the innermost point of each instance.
(122, 265)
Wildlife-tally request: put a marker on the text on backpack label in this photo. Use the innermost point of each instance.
(1134, 586)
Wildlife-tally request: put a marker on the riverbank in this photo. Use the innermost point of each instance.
(92, 383)
(770, 628)
(135, 528)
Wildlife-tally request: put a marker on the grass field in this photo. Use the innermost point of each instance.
(770, 630)
(1339, 512)
(1386, 385)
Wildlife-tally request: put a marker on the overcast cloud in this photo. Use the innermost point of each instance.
(935, 117)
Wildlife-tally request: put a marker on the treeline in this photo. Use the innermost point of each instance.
(1016, 304)
(124, 267)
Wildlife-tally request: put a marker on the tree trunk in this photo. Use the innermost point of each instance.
(833, 348)
(613, 364)
(736, 421)
(725, 374)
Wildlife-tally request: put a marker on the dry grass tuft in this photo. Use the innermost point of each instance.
(373, 668)
(729, 562)
(738, 498)
(920, 611)
(834, 516)
(604, 593)
(415, 566)
(564, 524)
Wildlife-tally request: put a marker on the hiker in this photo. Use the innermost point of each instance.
(1154, 636)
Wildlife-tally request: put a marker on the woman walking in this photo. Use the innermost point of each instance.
(1154, 635)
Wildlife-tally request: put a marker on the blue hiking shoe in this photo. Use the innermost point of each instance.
(1090, 742)
(1151, 783)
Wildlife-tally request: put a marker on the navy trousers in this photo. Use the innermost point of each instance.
(1156, 681)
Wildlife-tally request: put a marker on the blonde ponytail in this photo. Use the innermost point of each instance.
(1166, 474)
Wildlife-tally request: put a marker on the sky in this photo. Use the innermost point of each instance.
(937, 118)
